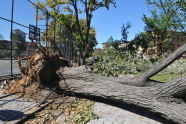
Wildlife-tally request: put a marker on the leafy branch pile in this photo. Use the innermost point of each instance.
(177, 68)
(114, 63)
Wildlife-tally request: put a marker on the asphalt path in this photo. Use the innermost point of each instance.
(5, 67)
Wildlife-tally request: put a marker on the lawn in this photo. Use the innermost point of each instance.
(165, 77)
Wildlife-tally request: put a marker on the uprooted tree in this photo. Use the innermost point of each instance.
(165, 99)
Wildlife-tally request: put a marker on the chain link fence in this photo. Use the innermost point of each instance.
(16, 21)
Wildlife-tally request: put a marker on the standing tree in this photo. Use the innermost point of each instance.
(1, 36)
(77, 8)
(112, 43)
(18, 38)
(66, 31)
(165, 19)
(3, 52)
(110, 40)
(125, 32)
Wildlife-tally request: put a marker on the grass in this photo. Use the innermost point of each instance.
(165, 77)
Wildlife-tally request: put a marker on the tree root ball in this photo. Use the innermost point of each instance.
(40, 69)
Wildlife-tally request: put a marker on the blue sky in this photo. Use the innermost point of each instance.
(106, 22)
(109, 22)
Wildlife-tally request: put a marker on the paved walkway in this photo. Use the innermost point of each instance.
(13, 107)
(5, 67)
(113, 115)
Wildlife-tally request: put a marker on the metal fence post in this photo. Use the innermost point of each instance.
(46, 29)
(54, 33)
(36, 19)
(11, 36)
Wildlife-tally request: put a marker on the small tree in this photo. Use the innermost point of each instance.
(3, 52)
(18, 38)
(1, 36)
(110, 40)
(125, 32)
(111, 43)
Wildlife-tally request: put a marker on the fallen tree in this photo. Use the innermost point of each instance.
(167, 99)
(164, 99)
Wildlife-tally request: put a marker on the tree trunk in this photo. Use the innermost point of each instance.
(85, 50)
(163, 99)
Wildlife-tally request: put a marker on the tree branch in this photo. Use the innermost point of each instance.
(170, 59)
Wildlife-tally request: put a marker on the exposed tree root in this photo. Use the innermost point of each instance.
(40, 71)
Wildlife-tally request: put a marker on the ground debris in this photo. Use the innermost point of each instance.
(65, 110)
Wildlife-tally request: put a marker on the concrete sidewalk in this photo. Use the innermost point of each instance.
(113, 115)
(13, 107)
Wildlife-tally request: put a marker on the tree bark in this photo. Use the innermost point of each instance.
(163, 99)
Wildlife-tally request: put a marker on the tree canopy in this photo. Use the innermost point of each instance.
(181, 4)
(18, 38)
(165, 18)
